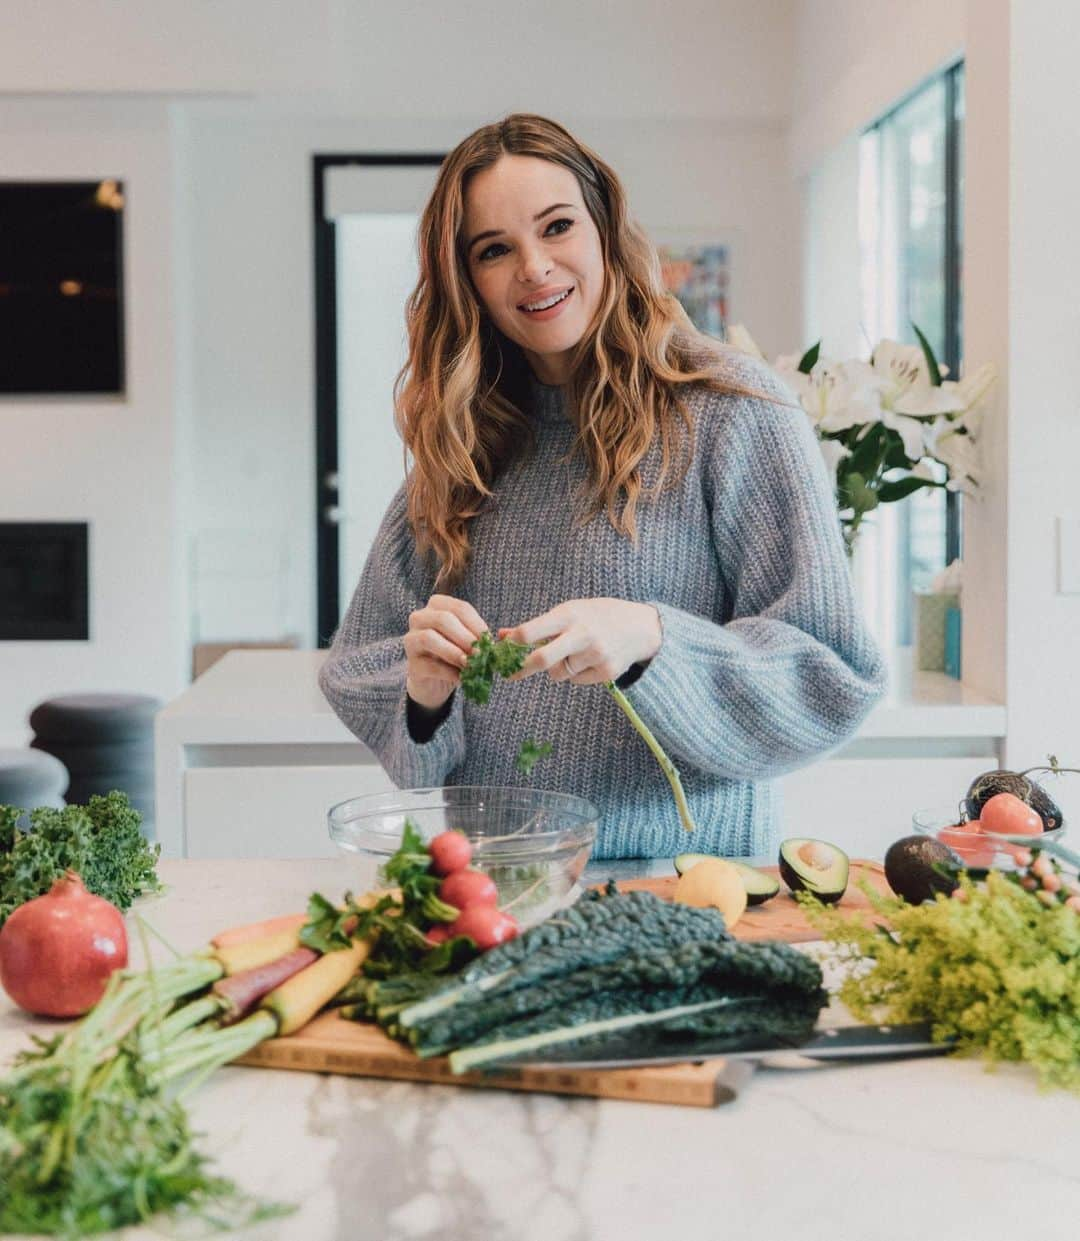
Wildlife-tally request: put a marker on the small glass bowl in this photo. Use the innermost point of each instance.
(534, 844)
(987, 851)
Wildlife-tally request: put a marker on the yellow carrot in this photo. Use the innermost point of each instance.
(257, 952)
(296, 1001)
(258, 930)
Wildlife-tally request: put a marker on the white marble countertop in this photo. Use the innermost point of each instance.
(936, 1148)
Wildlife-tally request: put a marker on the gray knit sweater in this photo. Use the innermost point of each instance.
(764, 665)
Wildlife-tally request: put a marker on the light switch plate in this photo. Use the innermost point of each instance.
(1068, 555)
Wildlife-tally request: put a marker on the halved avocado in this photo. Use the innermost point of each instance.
(759, 887)
(918, 867)
(814, 866)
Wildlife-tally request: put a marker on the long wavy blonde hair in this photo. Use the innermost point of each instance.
(462, 395)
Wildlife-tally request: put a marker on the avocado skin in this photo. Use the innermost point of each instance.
(817, 884)
(990, 783)
(909, 868)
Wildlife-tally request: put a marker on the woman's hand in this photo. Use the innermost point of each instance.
(440, 637)
(589, 641)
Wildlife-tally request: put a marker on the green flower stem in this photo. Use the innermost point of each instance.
(666, 765)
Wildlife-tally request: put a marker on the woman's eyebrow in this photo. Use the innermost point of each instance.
(495, 232)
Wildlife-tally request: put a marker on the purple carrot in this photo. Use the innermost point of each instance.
(241, 992)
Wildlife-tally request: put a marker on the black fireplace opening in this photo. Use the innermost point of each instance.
(44, 581)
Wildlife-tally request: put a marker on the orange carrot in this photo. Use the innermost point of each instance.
(258, 930)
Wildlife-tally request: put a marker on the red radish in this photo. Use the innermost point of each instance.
(450, 851)
(468, 887)
(437, 934)
(58, 950)
(485, 925)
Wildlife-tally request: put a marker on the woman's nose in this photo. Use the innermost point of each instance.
(534, 265)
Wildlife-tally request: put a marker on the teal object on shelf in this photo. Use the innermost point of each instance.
(953, 626)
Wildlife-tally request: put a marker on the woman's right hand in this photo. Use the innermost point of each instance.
(440, 637)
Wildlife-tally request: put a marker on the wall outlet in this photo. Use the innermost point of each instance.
(1068, 555)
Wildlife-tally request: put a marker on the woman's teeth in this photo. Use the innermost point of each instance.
(551, 301)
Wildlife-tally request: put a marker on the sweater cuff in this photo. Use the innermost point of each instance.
(423, 722)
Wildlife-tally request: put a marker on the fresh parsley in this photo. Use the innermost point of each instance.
(530, 754)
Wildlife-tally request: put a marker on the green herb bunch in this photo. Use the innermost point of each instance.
(101, 841)
(992, 969)
(488, 659)
(91, 1136)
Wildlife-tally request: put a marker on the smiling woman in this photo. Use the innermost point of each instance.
(601, 482)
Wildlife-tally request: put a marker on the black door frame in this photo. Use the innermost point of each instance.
(326, 388)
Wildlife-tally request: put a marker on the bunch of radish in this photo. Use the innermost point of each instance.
(471, 892)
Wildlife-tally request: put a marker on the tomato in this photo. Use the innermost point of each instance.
(485, 925)
(468, 887)
(438, 934)
(1006, 815)
(450, 851)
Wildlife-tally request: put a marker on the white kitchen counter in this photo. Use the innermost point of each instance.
(249, 758)
(936, 1148)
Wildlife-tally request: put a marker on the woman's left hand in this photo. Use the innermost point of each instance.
(589, 641)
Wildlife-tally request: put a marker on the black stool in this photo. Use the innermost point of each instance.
(106, 741)
(29, 778)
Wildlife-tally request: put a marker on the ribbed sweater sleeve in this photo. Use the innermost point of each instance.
(363, 677)
(789, 670)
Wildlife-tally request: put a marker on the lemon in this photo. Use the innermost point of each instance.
(713, 884)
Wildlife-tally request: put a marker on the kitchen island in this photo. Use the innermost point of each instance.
(935, 1148)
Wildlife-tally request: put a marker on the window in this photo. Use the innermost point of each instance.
(910, 211)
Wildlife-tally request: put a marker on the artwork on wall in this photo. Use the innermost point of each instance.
(61, 287)
(698, 272)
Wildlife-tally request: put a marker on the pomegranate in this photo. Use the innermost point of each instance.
(58, 950)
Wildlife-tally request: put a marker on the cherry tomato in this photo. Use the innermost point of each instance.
(485, 925)
(438, 934)
(449, 851)
(468, 887)
(1006, 815)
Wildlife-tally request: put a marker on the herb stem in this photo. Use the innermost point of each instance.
(666, 765)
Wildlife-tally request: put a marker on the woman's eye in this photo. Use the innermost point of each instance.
(497, 248)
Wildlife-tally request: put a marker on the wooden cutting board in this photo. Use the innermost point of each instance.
(331, 1045)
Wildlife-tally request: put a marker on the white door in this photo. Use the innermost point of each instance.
(376, 212)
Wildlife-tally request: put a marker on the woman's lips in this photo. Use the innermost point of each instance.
(552, 311)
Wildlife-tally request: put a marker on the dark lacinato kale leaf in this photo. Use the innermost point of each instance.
(728, 966)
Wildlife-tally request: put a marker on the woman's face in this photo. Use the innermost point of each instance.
(535, 258)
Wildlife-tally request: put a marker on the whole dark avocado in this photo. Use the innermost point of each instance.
(911, 867)
(990, 783)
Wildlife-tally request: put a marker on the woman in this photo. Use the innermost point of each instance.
(592, 474)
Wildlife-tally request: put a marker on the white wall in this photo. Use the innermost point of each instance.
(1043, 626)
(106, 461)
(854, 59)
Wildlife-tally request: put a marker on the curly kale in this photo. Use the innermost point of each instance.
(101, 841)
(488, 660)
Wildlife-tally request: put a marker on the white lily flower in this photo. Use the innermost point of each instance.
(828, 394)
(948, 444)
(739, 338)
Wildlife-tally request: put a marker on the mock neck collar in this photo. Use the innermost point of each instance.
(548, 400)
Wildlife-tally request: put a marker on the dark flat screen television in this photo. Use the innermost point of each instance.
(61, 287)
